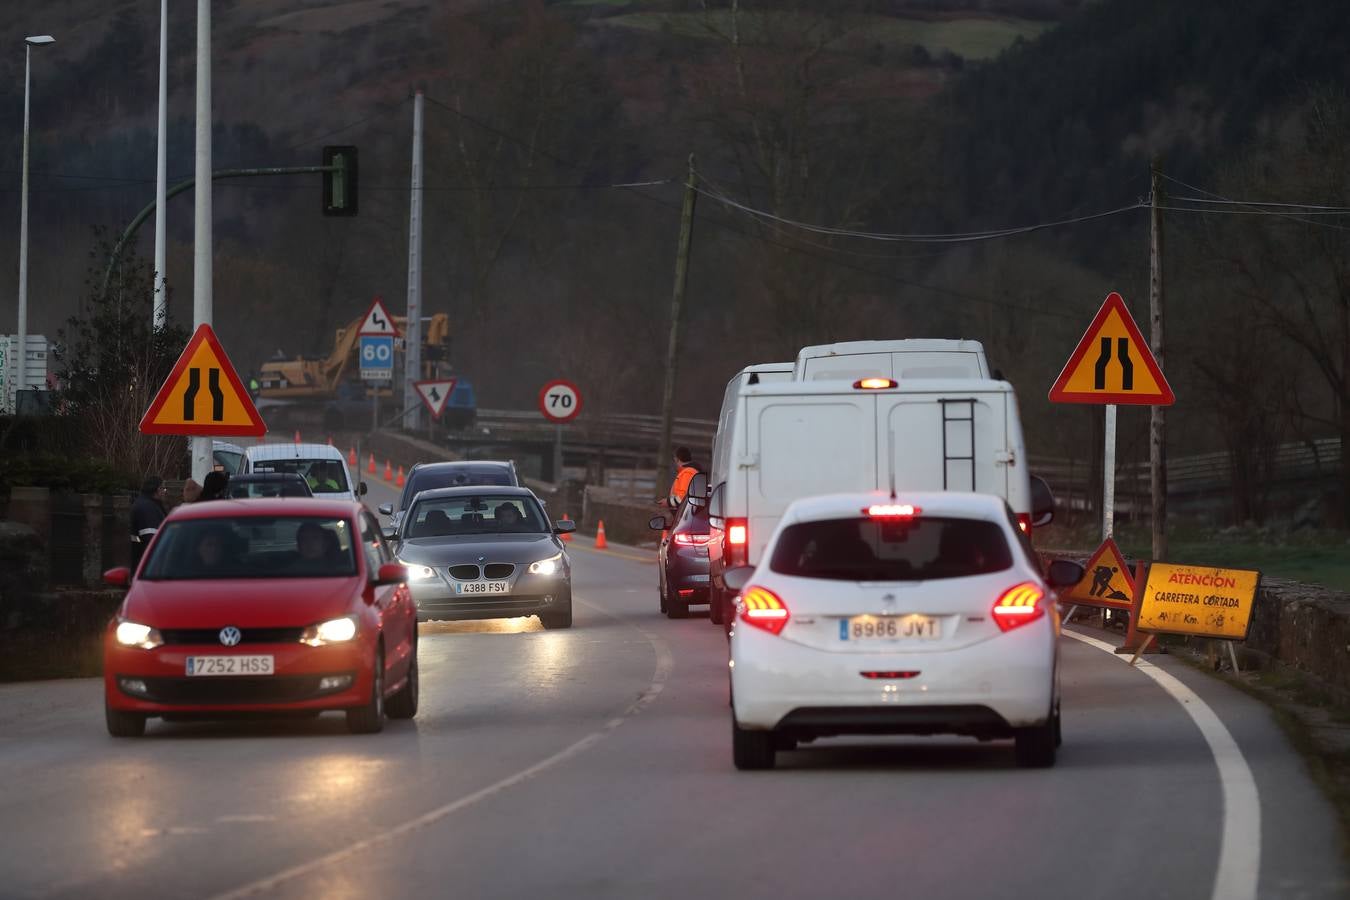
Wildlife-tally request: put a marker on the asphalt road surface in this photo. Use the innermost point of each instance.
(596, 762)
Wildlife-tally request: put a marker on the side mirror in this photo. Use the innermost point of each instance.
(386, 509)
(657, 523)
(565, 526)
(1062, 573)
(361, 489)
(736, 579)
(391, 573)
(119, 577)
(698, 486)
(1042, 502)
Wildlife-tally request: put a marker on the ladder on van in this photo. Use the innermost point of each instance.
(952, 417)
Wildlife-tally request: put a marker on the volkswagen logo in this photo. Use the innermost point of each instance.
(229, 636)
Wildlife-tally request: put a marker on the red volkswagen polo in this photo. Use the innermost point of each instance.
(244, 606)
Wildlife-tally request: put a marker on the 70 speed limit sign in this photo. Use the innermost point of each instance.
(560, 401)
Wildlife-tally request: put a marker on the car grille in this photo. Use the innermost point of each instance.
(232, 691)
(248, 635)
(464, 573)
(498, 570)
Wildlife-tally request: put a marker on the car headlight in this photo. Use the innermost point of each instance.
(133, 634)
(418, 572)
(334, 631)
(546, 566)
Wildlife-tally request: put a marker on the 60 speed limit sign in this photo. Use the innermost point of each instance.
(560, 401)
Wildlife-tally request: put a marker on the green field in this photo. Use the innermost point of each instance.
(1315, 557)
(969, 38)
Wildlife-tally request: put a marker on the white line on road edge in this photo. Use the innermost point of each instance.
(1239, 868)
(665, 662)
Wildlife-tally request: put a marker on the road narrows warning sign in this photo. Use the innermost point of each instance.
(436, 394)
(1106, 582)
(1112, 364)
(203, 396)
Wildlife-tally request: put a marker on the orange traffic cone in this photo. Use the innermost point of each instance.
(297, 435)
(400, 481)
(600, 542)
(351, 457)
(370, 469)
(388, 471)
(567, 536)
(665, 535)
(330, 440)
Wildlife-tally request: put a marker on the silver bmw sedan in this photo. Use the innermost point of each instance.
(485, 552)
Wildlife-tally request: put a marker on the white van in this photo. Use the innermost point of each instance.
(903, 360)
(763, 373)
(306, 460)
(793, 440)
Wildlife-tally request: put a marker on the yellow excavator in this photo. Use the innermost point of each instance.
(327, 391)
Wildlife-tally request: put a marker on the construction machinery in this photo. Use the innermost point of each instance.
(328, 390)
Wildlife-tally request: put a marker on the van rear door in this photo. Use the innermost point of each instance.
(802, 446)
(943, 442)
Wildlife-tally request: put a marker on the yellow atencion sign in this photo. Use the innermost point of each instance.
(1112, 364)
(203, 396)
(1205, 602)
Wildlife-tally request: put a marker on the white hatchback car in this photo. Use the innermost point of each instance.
(925, 613)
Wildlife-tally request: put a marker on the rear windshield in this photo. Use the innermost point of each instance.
(252, 547)
(865, 549)
(484, 514)
(460, 476)
(324, 476)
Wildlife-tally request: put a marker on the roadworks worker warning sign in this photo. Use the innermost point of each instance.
(1206, 602)
(1106, 581)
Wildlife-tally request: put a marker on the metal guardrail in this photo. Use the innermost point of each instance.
(620, 429)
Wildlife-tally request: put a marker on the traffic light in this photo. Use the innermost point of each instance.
(339, 181)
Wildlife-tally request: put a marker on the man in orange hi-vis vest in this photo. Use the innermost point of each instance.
(686, 470)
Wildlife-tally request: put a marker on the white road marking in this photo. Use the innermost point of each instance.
(1239, 867)
(665, 663)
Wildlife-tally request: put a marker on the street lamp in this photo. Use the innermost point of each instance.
(21, 374)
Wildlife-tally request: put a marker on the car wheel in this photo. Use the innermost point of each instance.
(123, 724)
(1059, 728)
(560, 619)
(751, 750)
(715, 607)
(1036, 745)
(369, 719)
(661, 590)
(403, 705)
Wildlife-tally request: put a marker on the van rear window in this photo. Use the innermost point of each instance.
(866, 549)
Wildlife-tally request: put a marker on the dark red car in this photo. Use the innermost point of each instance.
(248, 606)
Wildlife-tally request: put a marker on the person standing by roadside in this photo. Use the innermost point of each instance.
(147, 514)
(686, 469)
(213, 486)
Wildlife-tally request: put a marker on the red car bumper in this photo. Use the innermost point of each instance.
(155, 682)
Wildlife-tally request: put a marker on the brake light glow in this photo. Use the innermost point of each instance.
(1024, 522)
(762, 608)
(737, 549)
(692, 540)
(1019, 605)
(892, 511)
(875, 384)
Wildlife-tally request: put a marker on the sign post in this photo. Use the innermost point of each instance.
(1112, 364)
(560, 402)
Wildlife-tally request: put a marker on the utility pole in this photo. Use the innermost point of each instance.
(412, 332)
(673, 345)
(202, 238)
(162, 171)
(1157, 442)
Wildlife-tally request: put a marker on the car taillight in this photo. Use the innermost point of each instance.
(737, 548)
(692, 540)
(1024, 522)
(762, 608)
(1019, 605)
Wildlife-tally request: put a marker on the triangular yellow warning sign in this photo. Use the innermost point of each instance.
(1107, 581)
(1112, 364)
(203, 396)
